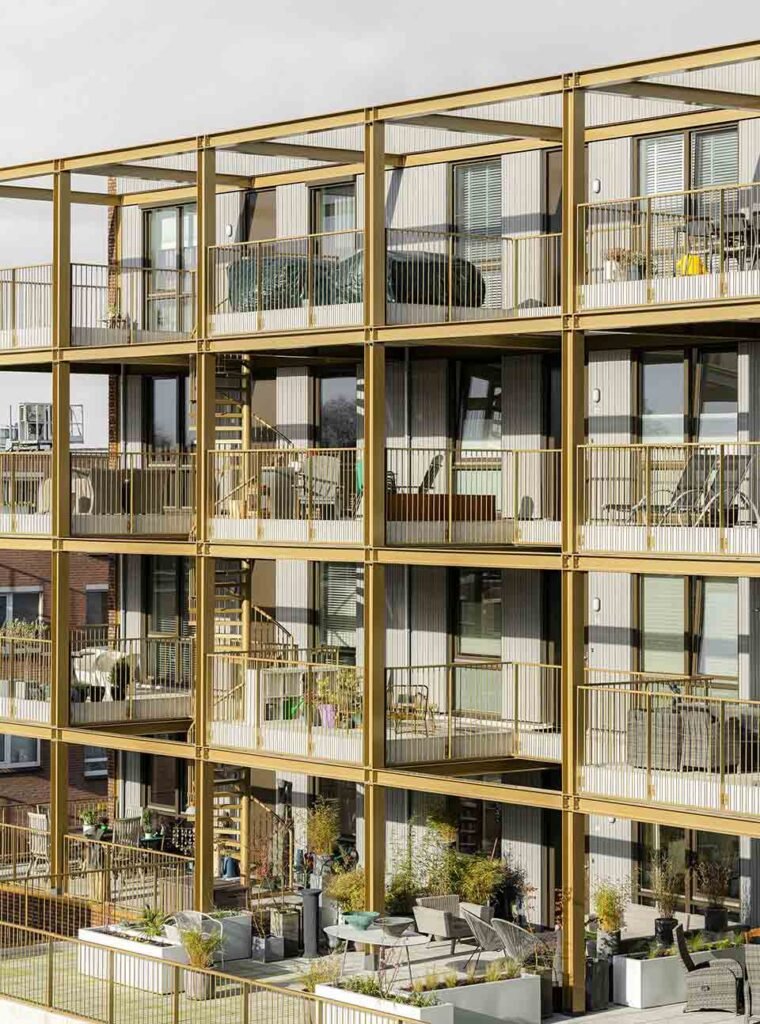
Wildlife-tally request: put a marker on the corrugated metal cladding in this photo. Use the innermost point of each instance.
(611, 850)
(609, 397)
(611, 637)
(293, 595)
(522, 630)
(523, 846)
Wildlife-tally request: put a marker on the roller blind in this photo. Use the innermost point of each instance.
(477, 192)
(719, 647)
(338, 604)
(661, 164)
(663, 623)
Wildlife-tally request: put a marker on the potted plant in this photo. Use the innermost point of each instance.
(89, 819)
(623, 264)
(322, 831)
(266, 948)
(120, 679)
(667, 883)
(481, 879)
(714, 880)
(147, 823)
(609, 902)
(151, 922)
(347, 889)
(200, 950)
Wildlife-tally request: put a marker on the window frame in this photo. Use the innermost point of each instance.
(8, 767)
(95, 766)
(455, 606)
(688, 134)
(9, 592)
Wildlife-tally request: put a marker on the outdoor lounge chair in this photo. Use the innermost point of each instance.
(39, 843)
(440, 917)
(487, 939)
(752, 991)
(522, 945)
(713, 985)
(195, 921)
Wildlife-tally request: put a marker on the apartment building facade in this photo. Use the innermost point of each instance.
(426, 475)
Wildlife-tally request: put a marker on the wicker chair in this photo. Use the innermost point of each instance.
(752, 995)
(714, 985)
(487, 939)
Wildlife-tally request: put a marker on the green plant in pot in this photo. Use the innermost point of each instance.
(482, 877)
(667, 886)
(609, 901)
(348, 890)
(120, 679)
(152, 921)
(89, 819)
(200, 950)
(714, 881)
(147, 823)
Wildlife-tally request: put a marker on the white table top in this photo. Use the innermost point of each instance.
(374, 936)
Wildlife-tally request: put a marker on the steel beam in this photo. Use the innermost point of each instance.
(484, 126)
(684, 94)
(374, 224)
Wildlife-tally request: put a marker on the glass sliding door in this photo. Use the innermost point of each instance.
(171, 253)
(663, 398)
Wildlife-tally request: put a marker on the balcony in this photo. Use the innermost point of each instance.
(472, 710)
(299, 707)
(145, 493)
(25, 667)
(474, 497)
(26, 306)
(118, 305)
(670, 499)
(682, 741)
(287, 494)
(287, 284)
(693, 246)
(120, 679)
(450, 277)
(25, 492)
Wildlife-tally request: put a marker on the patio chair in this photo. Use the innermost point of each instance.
(195, 921)
(127, 831)
(39, 843)
(522, 945)
(319, 486)
(696, 476)
(487, 939)
(440, 917)
(714, 985)
(410, 705)
(752, 989)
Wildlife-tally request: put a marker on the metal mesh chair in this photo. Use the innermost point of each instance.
(487, 939)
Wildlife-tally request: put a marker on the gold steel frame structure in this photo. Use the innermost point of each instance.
(455, 112)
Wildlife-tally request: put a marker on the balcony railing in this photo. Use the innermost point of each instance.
(81, 978)
(26, 306)
(670, 740)
(673, 498)
(298, 494)
(149, 492)
(472, 496)
(449, 277)
(118, 305)
(140, 679)
(25, 665)
(25, 492)
(310, 709)
(690, 246)
(466, 710)
(287, 284)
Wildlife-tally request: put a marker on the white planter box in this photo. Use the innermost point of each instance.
(237, 931)
(645, 983)
(134, 971)
(517, 1000)
(350, 1002)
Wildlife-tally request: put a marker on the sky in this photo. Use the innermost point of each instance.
(84, 75)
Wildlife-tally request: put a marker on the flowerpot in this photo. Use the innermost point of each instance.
(327, 715)
(607, 944)
(199, 986)
(611, 270)
(517, 1000)
(597, 984)
(547, 989)
(663, 930)
(89, 830)
(268, 949)
(716, 919)
(285, 925)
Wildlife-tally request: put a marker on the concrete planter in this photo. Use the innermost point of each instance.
(132, 970)
(342, 1006)
(517, 1000)
(644, 983)
(236, 937)
(268, 950)
(285, 925)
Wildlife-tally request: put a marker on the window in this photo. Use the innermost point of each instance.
(714, 158)
(717, 396)
(480, 404)
(719, 634)
(20, 604)
(165, 784)
(19, 752)
(95, 762)
(477, 218)
(663, 624)
(261, 215)
(167, 585)
(337, 606)
(333, 210)
(171, 245)
(686, 848)
(96, 604)
(167, 412)
(662, 397)
(661, 164)
(479, 612)
(337, 426)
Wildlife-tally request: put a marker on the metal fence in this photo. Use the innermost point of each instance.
(687, 246)
(476, 709)
(312, 709)
(25, 492)
(293, 283)
(148, 492)
(472, 496)
(118, 305)
(25, 666)
(26, 306)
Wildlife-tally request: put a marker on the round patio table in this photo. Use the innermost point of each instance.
(378, 937)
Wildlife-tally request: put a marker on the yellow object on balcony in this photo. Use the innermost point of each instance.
(689, 265)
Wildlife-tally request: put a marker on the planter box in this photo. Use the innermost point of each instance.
(286, 925)
(159, 977)
(236, 937)
(658, 982)
(517, 1000)
(341, 1008)
(267, 950)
